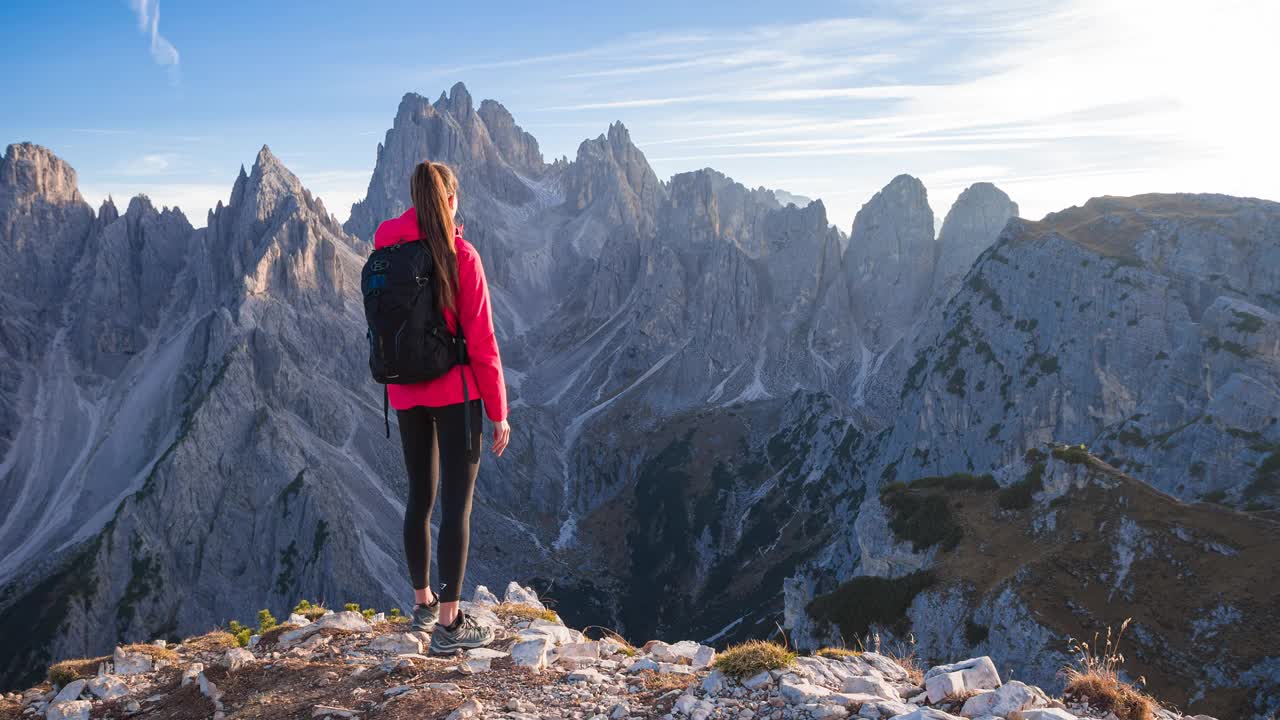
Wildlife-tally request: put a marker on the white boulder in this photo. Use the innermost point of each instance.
(586, 675)
(480, 659)
(1010, 697)
(108, 687)
(951, 680)
(531, 653)
(70, 691)
(236, 658)
(522, 595)
(927, 713)
(127, 662)
(482, 596)
(871, 685)
(1041, 714)
(69, 710)
(798, 693)
(396, 643)
(470, 708)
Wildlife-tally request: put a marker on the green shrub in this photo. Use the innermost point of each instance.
(975, 633)
(309, 610)
(924, 519)
(1020, 494)
(241, 633)
(265, 621)
(1073, 454)
(857, 604)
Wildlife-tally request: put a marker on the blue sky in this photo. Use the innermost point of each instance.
(1054, 101)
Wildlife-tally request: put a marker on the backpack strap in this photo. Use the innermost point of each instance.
(386, 414)
(461, 343)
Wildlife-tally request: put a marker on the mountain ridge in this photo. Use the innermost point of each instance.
(648, 307)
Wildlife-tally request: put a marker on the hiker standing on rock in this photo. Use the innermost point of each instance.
(431, 341)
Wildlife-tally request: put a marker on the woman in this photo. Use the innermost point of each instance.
(432, 414)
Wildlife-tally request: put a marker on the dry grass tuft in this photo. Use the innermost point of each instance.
(524, 612)
(213, 642)
(655, 681)
(61, 673)
(624, 646)
(1111, 695)
(157, 653)
(1096, 677)
(903, 653)
(908, 662)
(834, 653)
(753, 657)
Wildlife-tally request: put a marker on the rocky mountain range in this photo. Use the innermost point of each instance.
(712, 388)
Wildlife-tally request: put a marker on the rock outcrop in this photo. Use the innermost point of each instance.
(890, 260)
(974, 220)
(346, 667)
(1061, 545)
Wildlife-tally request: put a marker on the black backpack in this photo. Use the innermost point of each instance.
(409, 341)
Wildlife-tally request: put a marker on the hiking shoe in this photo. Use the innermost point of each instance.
(466, 634)
(426, 616)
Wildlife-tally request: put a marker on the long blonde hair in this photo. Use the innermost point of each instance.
(432, 185)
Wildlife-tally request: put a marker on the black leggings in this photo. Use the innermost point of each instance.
(435, 453)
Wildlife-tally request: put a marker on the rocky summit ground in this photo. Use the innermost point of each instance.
(350, 664)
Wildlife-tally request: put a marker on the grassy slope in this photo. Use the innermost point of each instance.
(1179, 582)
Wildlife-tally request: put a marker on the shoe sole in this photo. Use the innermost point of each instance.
(454, 648)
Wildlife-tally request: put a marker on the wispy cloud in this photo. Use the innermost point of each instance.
(163, 52)
(148, 165)
(102, 131)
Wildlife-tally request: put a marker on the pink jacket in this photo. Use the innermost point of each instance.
(484, 371)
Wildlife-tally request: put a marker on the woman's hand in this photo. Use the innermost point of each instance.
(501, 434)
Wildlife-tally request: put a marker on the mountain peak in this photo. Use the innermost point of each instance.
(29, 171)
(618, 135)
(905, 182)
(460, 100)
(267, 162)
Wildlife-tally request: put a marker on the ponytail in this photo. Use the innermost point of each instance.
(430, 189)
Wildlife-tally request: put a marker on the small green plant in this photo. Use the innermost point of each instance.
(393, 613)
(1074, 454)
(241, 633)
(309, 610)
(368, 613)
(753, 657)
(265, 621)
(834, 653)
(352, 607)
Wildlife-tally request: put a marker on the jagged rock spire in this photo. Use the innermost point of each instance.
(29, 171)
